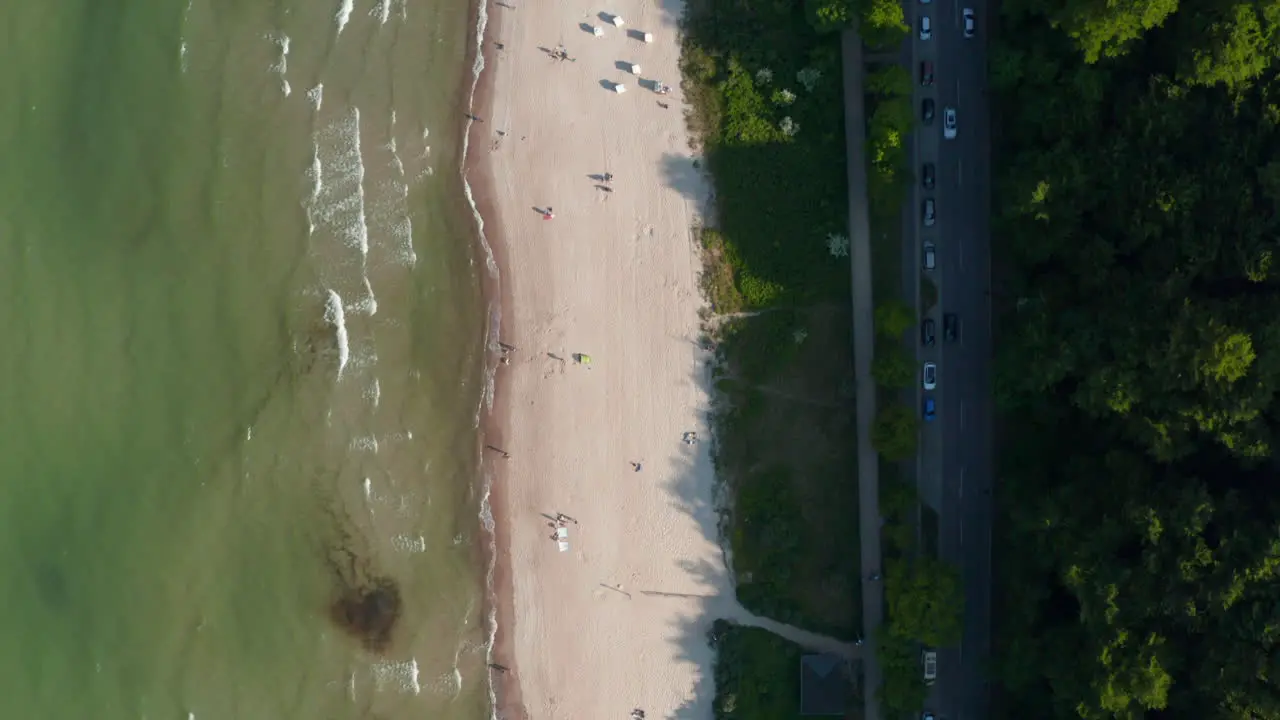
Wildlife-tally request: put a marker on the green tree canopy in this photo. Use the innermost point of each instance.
(893, 318)
(892, 367)
(1139, 358)
(894, 432)
(902, 690)
(925, 598)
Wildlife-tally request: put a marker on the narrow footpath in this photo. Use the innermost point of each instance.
(863, 348)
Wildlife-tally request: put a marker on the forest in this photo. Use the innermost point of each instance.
(1137, 358)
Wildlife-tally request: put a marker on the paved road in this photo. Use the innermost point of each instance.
(956, 457)
(863, 346)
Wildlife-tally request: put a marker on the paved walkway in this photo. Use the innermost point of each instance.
(863, 347)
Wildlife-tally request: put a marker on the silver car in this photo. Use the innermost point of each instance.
(930, 257)
(930, 376)
(970, 23)
(929, 213)
(949, 123)
(926, 29)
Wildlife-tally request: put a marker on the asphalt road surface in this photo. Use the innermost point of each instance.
(955, 464)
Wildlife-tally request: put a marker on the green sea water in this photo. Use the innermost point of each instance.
(240, 336)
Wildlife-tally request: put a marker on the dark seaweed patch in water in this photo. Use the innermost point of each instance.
(369, 613)
(365, 603)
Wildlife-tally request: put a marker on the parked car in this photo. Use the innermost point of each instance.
(949, 123)
(926, 29)
(930, 257)
(926, 111)
(929, 658)
(927, 716)
(930, 376)
(926, 73)
(926, 332)
(927, 176)
(930, 215)
(970, 23)
(950, 327)
(930, 412)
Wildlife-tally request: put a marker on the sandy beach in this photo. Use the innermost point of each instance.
(618, 620)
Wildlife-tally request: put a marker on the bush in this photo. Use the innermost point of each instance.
(757, 673)
(894, 432)
(902, 690)
(892, 368)
(893, 318)
(884, 24)
(829, 15)
(925, 598)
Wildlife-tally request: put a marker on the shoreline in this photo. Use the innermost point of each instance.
(477, 177)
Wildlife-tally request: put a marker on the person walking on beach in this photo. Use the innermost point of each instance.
(549, 214)
(635, 466)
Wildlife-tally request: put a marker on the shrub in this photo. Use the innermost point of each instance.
(894, 432)
(829, 15)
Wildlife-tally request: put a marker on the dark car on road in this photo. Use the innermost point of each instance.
(950, 327)
(926, 332)
(926, 73)
(927, 176)
(926, 111)
(929, 214)
(930, 409)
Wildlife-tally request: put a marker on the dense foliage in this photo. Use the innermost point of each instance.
(757, 673)
(768, 111)
(1138, 357)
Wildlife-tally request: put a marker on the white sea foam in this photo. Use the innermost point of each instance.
(316, 173)
(400, 675)
(344, 14)
(368, 490)
(367, 304)
(281, 66)
(182, 43)
(409, 543)
(382, 11)
(392, 209)
(335, 316)
(340, 200)
(373, 393)
(366, 442)
(316, 95)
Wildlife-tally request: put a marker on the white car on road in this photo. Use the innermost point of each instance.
(949, 123)
(930, 376)
(926, 28)
(970, 23)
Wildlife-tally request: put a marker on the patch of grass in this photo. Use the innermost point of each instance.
(717, 274)
(784, 447)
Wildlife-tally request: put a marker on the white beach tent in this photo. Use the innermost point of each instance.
(619, 88)
(562, 538)
(648, 37)
(635, 69)
(617, 21)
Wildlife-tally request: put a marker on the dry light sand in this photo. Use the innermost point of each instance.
(619, 621)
